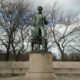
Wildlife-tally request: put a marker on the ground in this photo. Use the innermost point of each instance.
(60, 77)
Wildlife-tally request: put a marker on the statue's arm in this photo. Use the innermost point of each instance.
(45, 21)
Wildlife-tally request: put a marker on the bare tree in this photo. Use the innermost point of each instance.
(62, 39)
(13, 26)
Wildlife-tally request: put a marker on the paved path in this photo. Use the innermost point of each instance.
(60, 77)
(13, 78)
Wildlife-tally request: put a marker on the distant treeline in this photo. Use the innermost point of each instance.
(21, 57)
(25, 57)
(69, 57)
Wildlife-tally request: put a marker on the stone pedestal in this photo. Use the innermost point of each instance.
(40, 67)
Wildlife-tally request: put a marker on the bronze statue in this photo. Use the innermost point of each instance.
(39, 33)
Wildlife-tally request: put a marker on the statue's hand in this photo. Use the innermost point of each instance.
(45, 21)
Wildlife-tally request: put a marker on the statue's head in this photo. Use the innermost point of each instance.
(40, 8)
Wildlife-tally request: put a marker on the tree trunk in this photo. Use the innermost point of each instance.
(8, 52)
(61, 51)
(7, 55)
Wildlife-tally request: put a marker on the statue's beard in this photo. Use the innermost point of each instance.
(40, 12)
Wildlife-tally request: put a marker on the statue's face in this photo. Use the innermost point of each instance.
(40, 9)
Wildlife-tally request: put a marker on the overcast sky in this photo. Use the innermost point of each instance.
(69, 5)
